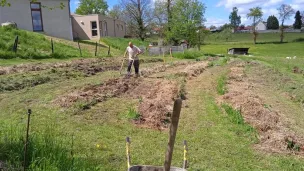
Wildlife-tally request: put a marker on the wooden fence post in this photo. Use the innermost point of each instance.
(96, 49)
(173, 129)
(52, 45)
(79, 49)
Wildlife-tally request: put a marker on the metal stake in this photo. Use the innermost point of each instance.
(128, 152)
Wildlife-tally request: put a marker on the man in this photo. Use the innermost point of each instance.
(133, 52)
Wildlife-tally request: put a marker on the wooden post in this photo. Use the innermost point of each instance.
(109, 51)
(52, 44)
(96, 49)
(173, 129)
(29, 112)
(15, 47)
(79, 49)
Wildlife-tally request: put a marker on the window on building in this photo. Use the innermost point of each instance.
(106, 28)
(94, 28)
(117, 26)
(36, 16)
(121, 27)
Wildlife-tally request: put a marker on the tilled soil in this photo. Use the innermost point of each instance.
(156, 96)
(87, 66)
(274, 135)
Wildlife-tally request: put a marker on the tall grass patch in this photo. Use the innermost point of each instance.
(32, 46)
(221, 85)
(46, 150)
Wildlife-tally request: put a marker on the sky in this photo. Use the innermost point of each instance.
(218, 11)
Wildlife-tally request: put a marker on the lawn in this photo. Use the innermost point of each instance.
(248, 38)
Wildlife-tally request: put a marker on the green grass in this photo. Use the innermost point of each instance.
(221, 85)
(132, 114)
(248, 38)
(189, 54)
(33, 46)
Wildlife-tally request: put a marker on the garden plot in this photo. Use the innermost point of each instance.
(155, 96)
(275, 134)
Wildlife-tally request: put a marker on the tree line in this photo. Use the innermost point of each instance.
(285, 11)
(174, 20)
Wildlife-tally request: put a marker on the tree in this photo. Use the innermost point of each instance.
(235, 19)
(272, 23)
(116, 12)
(212, 27)
(139, 14)
(187, 17)
(255, 14)
(298, 21)
(160, 16)
(302, 14)
(285, 12)
(92, 7)
(242, 27)
(227, 26)
(169, 13)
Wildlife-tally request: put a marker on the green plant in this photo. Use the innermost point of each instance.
(234, 115)
(133, 114)
(221, 85)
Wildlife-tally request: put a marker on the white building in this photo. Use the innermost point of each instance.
(38, 17)
(261, 26)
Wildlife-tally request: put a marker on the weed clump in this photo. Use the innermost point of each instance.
(221, 85)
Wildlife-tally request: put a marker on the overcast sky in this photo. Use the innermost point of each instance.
(217, 12)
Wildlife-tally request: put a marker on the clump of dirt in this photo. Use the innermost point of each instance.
(43, 66)
(274, 135)
(161, 68)
(193, 70)
(297, 70)
(156, 103)
(97, 93)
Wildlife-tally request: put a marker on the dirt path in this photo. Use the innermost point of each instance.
(249, 94)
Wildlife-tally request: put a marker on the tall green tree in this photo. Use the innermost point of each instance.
(285, 12)
(116, 12)
(302, 14)
(298, 21)
(92, 7)
(138, 15)
(273, 23)
(255, 14)
(187, 17)
(160, 14)
(235, 19)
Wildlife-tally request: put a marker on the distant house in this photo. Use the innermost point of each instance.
(38, 17)
(95, 26)
(261, 26)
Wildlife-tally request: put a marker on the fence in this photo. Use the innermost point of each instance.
(165, 50)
